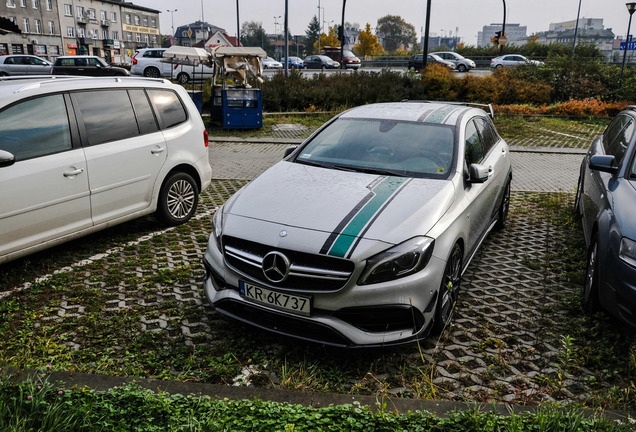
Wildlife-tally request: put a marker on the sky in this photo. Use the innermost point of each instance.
(448, 17)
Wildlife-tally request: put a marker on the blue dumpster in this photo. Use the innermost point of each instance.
(197, 98)
(238, 108)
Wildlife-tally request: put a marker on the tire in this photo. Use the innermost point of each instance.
(304, 66)
(579, 196)
(322, 68)
(412, 68)
(504, 207)
(449, 289)
(178, 199)
(462, 67)
(183, 78)
(590, 300)
(152, 72)
(499, 66)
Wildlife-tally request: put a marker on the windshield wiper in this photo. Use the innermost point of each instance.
(380, 171)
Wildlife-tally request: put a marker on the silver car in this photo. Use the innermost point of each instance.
(360, 236)
(23, 64)
(512, 60)
(462, 64)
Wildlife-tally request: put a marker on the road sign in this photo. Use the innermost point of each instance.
(630, 46)
(503, 40)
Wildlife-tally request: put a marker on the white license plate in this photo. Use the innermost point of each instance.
(287, 302)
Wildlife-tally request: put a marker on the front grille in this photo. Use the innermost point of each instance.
(308, 272)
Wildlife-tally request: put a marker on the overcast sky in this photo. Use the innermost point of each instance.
(468, 16)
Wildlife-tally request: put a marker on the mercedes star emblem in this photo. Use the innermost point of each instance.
(275, 267)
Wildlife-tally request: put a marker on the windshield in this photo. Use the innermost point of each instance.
(383, 146)
(348, 53)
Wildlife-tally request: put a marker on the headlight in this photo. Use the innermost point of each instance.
(217, 228)
(399, 261)
(627, 251)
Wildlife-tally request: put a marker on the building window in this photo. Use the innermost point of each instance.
(103, 15)
(11, 3)
(80, 12)
(153, 23)
(23, 3)
(81, 32)
(17, 48)
(145, 21)
(68, 10)
(36, 4)
(70, 32)
(115, 35)
(91, 14)
(154, 39)
(129, 37)
(113, 17)
(104, 34)
(49, 4)
(138, 37)
(25, 25)
(52, 27)
(137, 22)
(128, 21)
(147, 38)
(38, 26)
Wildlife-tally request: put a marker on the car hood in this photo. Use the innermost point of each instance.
(332, 204)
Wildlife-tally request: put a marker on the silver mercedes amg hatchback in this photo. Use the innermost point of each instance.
(360, 236)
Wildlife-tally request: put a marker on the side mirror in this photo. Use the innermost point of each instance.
(289, 150)
(6, 159)
(605, 163)
(478, 173)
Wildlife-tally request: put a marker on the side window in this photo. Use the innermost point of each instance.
(9, 60)
(168, 106)
(37, 127)
(619, 146)
(145, 118)
(107, 115)
(488, 136)
(614, 132)
(474, 149)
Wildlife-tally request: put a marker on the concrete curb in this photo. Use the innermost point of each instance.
(440, 408)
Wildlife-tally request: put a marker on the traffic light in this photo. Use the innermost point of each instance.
(341, 35)
(496, 38)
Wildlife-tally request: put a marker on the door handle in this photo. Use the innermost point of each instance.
(74, 172)
(157, 150)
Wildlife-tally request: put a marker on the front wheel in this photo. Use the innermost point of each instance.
(504, 207)
(322, 68)
(183, 78)
(449, 290)
(590, 289)
(178, 199)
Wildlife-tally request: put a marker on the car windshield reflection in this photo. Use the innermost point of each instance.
(384, 147)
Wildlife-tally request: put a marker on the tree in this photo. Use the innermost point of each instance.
(312, 33)
(327, 40)
(395, 32)
(369, 45)
(253, 35)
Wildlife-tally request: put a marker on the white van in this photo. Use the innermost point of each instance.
(80, 154)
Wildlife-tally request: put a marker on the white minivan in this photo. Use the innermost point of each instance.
(80, 154)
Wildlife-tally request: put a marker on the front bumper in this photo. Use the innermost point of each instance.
(389, 313)
(620, 284)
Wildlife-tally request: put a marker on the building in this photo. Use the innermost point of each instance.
(590, 31)
(446, 42)
(516, 33)
(110, 29)
(30, 27)
(197, 32)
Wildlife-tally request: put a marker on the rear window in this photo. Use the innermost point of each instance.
(168, 106)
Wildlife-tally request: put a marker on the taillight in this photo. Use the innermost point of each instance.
(205, 138)
(134, 59)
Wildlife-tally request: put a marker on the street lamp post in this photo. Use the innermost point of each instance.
(172, 17)
(276, 31)
(576, 28)
(503, 27)
(631, 8)
(342, 32)
(238, 28)
(426, 33)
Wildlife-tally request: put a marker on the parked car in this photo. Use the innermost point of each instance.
(295, 62)
(350, 60)
(416, 62)
(148, 62)
(85, 65)
(80, 154)
(23, 64)
(320, 62)
(512, 60)
(360, 236)
(462, 64)
(606, 201)
(270, 63)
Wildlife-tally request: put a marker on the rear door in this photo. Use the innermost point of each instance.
(45, 193)
(16, 65)
(37, 66)
(124, 150)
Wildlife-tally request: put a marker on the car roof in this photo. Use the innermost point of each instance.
(416, 111)
(20, 87)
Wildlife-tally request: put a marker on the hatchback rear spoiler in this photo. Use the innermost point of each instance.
(487, 107)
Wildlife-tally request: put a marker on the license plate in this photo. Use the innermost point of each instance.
(287, 302)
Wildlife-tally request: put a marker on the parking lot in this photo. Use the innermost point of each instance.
(129, 301)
